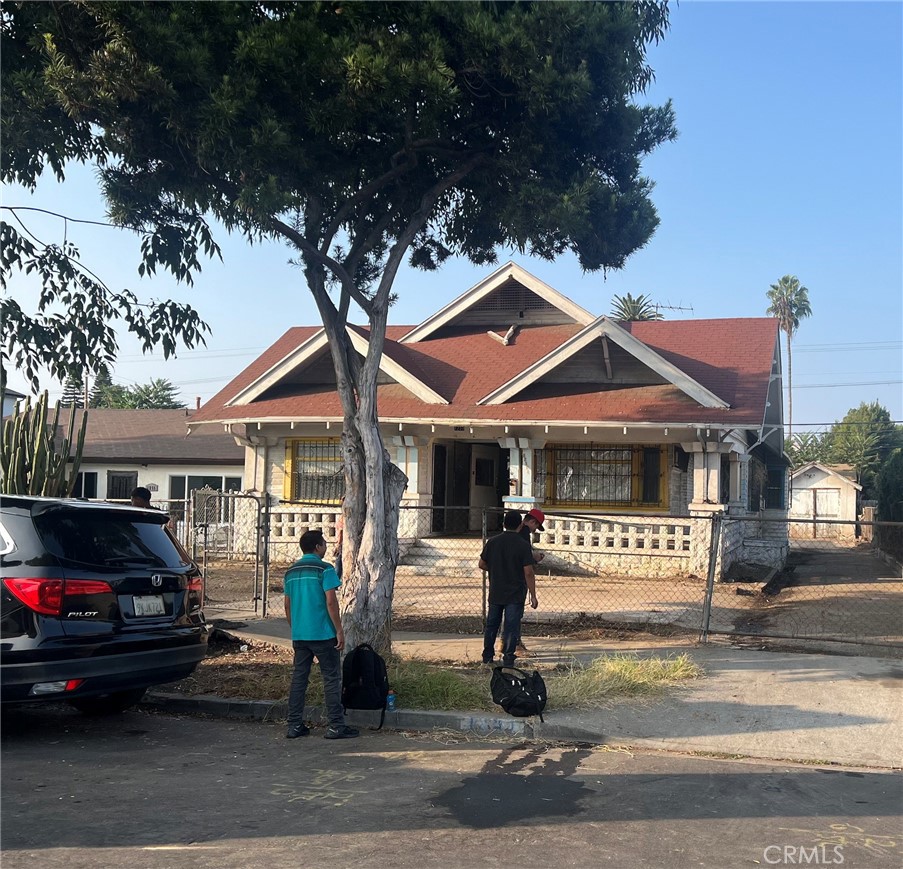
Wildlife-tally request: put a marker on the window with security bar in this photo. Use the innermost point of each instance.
(316, 471)
(599, 475)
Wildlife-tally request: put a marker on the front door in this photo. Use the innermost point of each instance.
(484, 476)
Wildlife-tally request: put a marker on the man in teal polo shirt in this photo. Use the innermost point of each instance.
(312, 611)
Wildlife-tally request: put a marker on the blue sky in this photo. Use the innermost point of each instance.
(789, 161)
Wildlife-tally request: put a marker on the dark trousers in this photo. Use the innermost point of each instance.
(513, 613)
(331, 670)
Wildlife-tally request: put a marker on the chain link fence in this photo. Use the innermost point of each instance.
(792, 580)
(228, 538)
(840, 583)
(612, 571)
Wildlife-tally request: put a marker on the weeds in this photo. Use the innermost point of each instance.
(262, 672)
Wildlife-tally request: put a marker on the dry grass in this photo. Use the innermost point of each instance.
(259, 671)
(614, 677)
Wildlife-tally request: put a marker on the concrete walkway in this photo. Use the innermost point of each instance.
(750, 703)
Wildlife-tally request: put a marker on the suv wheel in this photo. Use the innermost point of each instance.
(109, 704)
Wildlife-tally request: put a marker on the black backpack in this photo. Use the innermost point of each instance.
(519, 693)
(365, 682)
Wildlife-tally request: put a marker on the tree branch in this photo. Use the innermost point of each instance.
(324, 260)
(393, 262)
(15, 208)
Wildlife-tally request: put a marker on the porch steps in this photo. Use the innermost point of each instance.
(441, 556)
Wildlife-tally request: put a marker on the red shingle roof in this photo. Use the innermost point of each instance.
(730, 357)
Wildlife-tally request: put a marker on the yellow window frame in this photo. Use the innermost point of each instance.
(288, 479)
(636, 504)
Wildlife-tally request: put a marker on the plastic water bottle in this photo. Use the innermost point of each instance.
(390, 701)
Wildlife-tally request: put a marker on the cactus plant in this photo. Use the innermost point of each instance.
(30, 463)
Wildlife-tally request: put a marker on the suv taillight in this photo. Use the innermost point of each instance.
(196, 590)
(46, 595)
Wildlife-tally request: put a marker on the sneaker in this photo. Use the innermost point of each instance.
(341, 732)
(296, 730)
(489, 664)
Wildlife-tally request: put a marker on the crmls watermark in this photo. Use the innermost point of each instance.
(798, 855)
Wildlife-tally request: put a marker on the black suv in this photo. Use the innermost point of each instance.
(97, 602)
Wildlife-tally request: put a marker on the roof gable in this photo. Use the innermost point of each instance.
(607, 330)
(510, 296)
(837, 471)
(313, 348)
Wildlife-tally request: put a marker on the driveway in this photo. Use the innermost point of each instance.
(829, 591)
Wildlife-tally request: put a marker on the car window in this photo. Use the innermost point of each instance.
(106, 539)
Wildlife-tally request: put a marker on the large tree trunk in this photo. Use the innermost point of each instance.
(374, 487)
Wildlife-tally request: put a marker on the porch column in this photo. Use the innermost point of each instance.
(742, 491)
(706, 494)
(406, 450)
(522, 466)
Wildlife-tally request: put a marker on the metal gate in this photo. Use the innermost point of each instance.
(229, 537)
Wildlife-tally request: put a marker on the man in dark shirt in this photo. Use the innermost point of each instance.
(509, 560)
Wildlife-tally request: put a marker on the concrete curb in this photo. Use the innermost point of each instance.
(401, 719)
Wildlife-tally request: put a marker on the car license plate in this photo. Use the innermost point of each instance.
(151, 605)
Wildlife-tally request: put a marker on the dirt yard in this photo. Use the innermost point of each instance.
(828, 591)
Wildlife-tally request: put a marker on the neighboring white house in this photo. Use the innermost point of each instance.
(10, 397)
(824, 492)
(152, 448)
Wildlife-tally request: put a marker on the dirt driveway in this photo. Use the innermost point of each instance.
(829, 591)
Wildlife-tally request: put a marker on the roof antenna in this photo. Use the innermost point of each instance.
(659, 307)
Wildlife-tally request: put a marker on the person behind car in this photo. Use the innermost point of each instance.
(141, 497)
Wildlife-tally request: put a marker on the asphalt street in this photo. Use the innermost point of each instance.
(155, 790)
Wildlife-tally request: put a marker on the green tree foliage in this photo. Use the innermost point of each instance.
(73, 327)
(103, 382)
(73, 391)
(789, 304)
(158, 394)
(629, 308)
(360, 134)
(889, 492)
(864, 438)
(808, 447)
(889, 488)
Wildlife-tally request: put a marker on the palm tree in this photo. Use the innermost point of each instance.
(629, 308)
(790, 304)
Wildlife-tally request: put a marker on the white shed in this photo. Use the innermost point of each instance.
(824, 492)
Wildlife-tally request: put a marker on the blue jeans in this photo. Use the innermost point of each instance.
(513, 613)
(331, 670)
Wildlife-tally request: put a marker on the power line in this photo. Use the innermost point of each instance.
(835, 385)
(875, 346)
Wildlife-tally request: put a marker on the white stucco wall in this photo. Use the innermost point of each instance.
(821, 495)
(156, 475)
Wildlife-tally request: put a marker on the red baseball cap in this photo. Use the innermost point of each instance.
(539, 516)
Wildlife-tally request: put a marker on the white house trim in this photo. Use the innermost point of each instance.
(484, 288)
(826, 469)
(603, 327)
(398, 372)
(313, 345)
(304, 351)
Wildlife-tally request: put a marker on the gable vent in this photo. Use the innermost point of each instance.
(512, 296)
